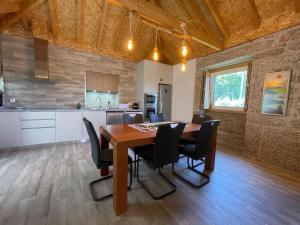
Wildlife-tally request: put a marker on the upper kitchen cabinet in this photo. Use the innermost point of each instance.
(94, 81)
(111, 83)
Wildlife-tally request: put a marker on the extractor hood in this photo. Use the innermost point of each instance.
(41, 59)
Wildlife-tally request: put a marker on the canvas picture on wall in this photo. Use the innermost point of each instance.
(275, 93)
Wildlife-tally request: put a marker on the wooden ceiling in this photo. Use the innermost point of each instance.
(102, 26)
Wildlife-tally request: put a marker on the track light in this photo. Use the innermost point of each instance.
(155, 51)
(184, 50)
(130, 40)
(183, 65)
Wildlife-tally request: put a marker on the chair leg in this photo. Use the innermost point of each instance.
(173, 186)
(93, 192)
(192, 168)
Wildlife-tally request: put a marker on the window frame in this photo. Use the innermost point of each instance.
(223, 70)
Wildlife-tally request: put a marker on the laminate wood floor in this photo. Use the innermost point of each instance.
(49, 186)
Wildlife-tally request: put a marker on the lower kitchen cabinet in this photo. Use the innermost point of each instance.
(35, 136)
(10, 134)
(97, 118)
(68, 126)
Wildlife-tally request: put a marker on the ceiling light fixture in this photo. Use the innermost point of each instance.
(155, 51)
(184, 50)
(130, 40)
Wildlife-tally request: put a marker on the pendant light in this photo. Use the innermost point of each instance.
(183, 65)
(184, 50)
(155, 51)
(130, 40)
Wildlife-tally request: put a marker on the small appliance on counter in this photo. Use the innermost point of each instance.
(135, 105)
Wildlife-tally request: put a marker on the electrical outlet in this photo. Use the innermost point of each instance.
(12, 100)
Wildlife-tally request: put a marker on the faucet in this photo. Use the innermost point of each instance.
(100, 101)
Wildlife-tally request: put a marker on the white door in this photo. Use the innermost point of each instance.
(68, 126)
(98, 118)
(10, 129)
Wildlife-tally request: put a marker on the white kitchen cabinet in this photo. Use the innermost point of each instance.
(10, 134)
(98, 118)
(35, 136)
(68, 126)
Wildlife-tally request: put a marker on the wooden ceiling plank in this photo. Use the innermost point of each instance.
(194, 12)
(297, 6)
(54, 18)
(80, 20)
(102, 24)
(25, 8)
(254, 13)
(7, 7)
(215, 14)
(159, 16)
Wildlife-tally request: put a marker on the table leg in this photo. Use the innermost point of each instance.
(120, 174)
(210, 160)
(104, 145)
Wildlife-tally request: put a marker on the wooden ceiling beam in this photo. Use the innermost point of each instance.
(215, 14)
(6, 7)
(194, 12)
(80, 20)
(254, 13)
(54, 18)
(102, 24)
(159, 16)
(25, 8)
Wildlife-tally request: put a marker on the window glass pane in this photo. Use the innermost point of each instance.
(229, 89)
(207, 95)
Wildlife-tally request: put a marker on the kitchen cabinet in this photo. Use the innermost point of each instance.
(94, 81)
(111, 83)
(68, 126)
(100, 82)
(38, 127)
(10, 124)
(97, 118)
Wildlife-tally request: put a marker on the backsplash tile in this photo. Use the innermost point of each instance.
(91, 100)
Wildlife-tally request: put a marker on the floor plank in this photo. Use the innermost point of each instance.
(49, 186)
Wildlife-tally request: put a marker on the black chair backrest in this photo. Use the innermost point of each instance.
(199, 119)
(157, 118)
(167, 144)
(129, 118)
(95, 144)
(204, 138)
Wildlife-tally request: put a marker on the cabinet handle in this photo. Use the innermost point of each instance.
(160, 108)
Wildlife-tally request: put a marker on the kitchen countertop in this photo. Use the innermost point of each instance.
(3, 109)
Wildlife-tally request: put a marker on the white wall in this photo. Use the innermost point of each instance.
(183, 91)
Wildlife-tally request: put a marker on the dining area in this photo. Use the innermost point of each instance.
(158, 143)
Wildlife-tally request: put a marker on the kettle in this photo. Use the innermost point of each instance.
(135, 105)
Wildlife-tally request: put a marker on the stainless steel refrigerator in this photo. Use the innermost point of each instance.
(165, 100)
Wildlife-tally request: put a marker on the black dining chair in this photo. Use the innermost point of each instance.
(102, 159)
(199, 151)
(198, 119)
(160, 117)
(131, 118)
(164, 151)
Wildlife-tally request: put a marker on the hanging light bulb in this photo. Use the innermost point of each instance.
(183, 65)
(130, 40)
(155, 51)
(184, 50)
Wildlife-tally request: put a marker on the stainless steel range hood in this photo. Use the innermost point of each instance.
(41, 58)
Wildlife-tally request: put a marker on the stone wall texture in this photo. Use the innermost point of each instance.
(274, 139)
(67, 70)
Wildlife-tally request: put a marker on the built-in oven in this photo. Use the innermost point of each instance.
(150, 105)
(150, 99)
(149, 111)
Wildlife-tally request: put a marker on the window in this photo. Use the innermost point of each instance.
(226, 89)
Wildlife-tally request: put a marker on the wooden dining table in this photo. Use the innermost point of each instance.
(122, 137)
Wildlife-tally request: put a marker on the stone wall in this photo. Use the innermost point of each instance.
(274, 139)
(67, 69)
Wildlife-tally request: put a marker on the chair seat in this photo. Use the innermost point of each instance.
(188, 150)
(107, 157)
(189, 140)
(141, 149)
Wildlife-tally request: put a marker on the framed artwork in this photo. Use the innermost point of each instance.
(275, 93)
